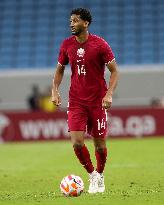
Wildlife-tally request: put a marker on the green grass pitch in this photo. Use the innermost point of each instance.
(30, 173)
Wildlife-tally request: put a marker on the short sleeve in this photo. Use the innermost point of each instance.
(63, 57)
(106, 52)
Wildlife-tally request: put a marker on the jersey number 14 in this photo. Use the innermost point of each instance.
(81, 70)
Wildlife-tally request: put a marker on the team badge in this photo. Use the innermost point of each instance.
(80, 52)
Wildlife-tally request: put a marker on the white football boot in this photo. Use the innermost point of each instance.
(93, 187)
(101, 185)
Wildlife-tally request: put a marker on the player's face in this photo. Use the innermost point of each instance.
(77, 25)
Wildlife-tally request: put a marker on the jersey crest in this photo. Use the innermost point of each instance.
(80, 52)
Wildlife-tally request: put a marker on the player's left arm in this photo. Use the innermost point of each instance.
(113, 68)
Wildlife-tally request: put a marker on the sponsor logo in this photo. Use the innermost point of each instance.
(47, 129)
(133, 126)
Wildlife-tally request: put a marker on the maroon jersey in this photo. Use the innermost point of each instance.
(87, 61)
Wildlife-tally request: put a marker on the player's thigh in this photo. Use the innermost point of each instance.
(99, 122)
(77, 118)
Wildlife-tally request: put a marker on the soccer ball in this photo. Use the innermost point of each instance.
(72, 185)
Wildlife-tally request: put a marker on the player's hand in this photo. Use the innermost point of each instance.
(56, 98)
(107, 101)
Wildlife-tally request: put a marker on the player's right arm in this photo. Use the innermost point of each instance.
(58, 76)
(57, 79)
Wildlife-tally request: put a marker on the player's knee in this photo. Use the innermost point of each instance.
(100, 148)
(77, 145)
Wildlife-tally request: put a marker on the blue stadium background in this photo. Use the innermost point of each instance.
(31, 30)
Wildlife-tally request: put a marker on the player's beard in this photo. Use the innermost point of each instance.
(77, 32)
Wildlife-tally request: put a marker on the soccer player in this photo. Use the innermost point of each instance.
(89, 96)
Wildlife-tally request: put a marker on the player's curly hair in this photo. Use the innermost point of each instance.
(85, 14)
